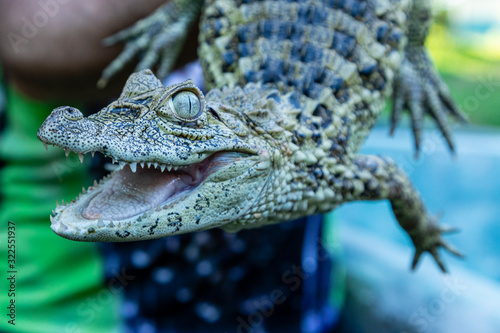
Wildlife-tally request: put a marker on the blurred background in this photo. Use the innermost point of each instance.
(465, 45)
(64, 286)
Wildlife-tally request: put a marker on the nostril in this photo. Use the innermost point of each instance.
(72, 113)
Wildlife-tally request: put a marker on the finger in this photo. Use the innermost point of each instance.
(416, 258)
(438, 260)
(437, 112)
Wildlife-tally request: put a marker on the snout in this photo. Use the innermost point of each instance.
(60, 117)
(66, 127)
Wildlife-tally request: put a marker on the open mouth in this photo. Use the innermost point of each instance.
(149, 200)
(137, 189)
(129, 193)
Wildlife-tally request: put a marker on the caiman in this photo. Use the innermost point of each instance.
(294, 87)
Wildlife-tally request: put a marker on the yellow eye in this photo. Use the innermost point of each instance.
(186, 105)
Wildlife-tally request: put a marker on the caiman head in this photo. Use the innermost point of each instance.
(186, 162)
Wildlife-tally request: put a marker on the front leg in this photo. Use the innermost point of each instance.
(382, 179)
(418, 86)
(158, 38)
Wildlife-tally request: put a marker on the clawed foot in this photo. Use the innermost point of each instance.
(430, 241)
(158, 38)
(419, 89)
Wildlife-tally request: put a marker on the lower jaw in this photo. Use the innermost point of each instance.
(69, 221)
(138, 227)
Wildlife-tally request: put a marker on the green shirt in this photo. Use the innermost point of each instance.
(58, 284)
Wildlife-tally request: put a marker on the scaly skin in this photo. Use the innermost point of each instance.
(305, 84)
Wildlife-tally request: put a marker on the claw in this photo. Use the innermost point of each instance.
(434, 108)
(416, 114)
(451, 249)
(438, 260)
(168, 60)
(432, 247)
(449, 230)
(450, 104)
(152, 55)
(397, 110)
(164, 32)
(120, 36)
(408, 94)
(416, 258)
(419, 88)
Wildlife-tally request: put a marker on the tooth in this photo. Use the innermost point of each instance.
(149, 164)
(156, 165)
(133, 167)
(111, 225)
(101, 182)
(57, 203)
(113, 161)
(95, 183)
(122, 164)
(169, 167)
(92, 153)
(63, 225)
(158, 209)
(46, 146)
(142, 165)
(144, 215)
(100, 223)
(52, 220)
(62, 202)
(84, 190)
(162, 167)
(263, 165)
(176, 167)
(53, 212)
(81, 156)
(139, 219)
(66, 151)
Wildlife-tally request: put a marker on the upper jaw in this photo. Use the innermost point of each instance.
(134, 144)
